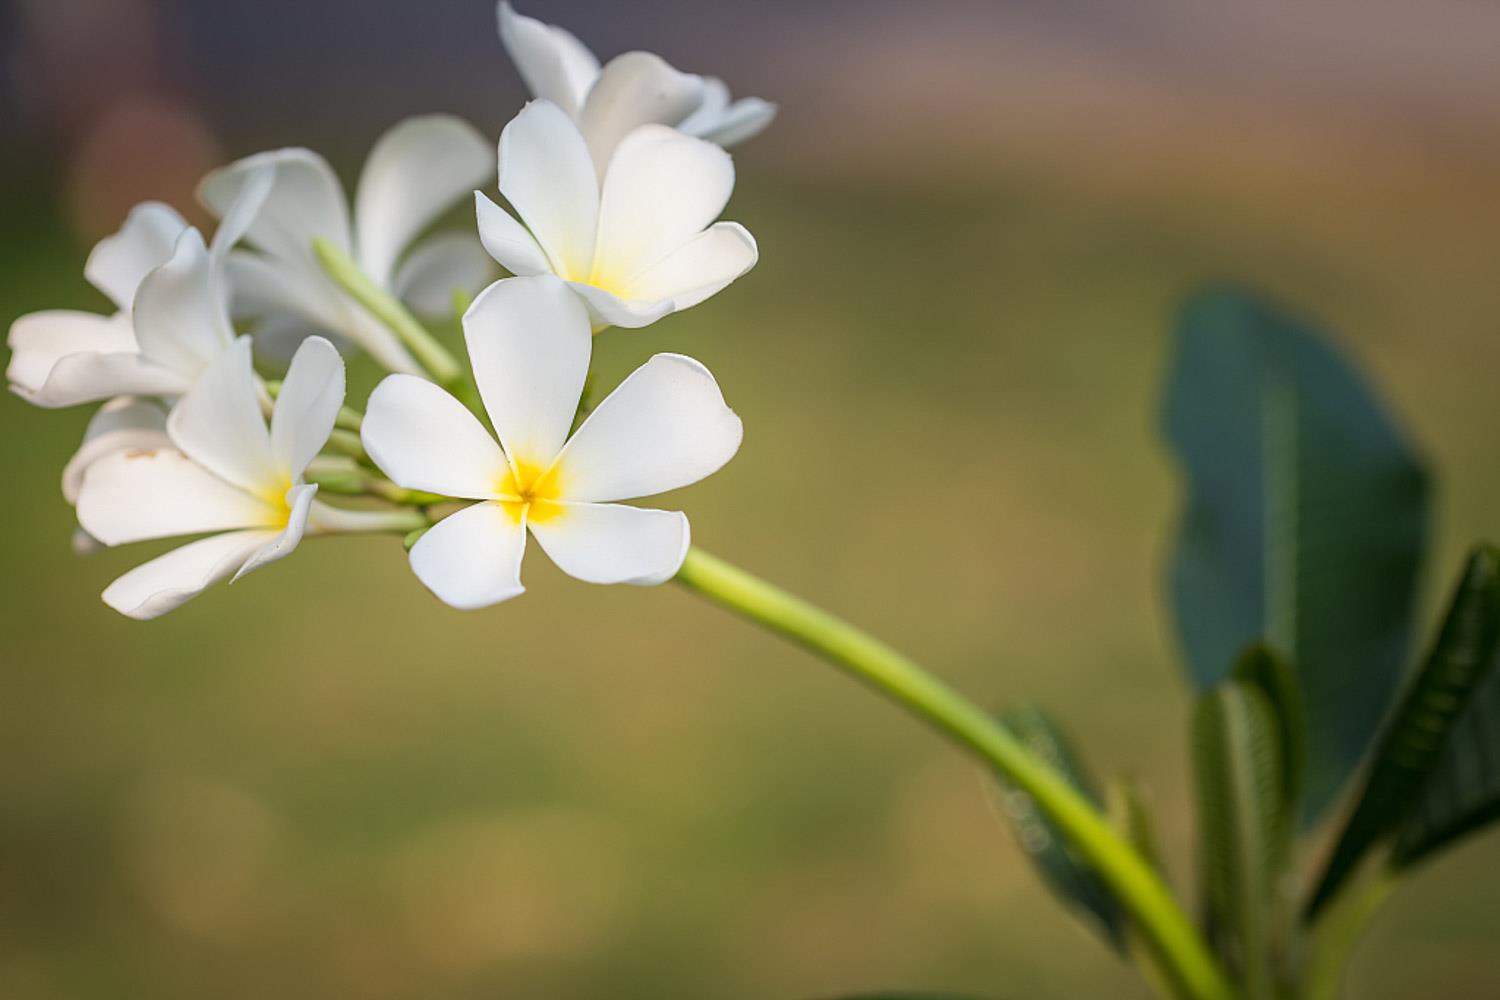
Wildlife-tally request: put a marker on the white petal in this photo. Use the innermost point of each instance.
(553, 64)
(548, 177)
(529, 342)
(118, 262)
(424, 439)
(698, 268)
(299, 501)
(715, 102)
(663, 188)
(665, 426)
(130, 496)
(124, 424)
(244, 210)
(311, 395)
(305, 202)
(168, 582)
(506, 240)
(440, 266)
(219, 425)
(635, 89)
(608, 309)
(611, 543)
(181, 318)
(472, 559)
(744, 119)
(61, 357)
(417, 170)
(264, 286)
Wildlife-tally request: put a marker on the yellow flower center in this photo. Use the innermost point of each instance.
(528, 488)
(274, 497)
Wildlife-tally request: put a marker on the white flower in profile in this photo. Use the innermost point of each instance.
(415, 172)
(644, 246)
(633, 89)
(529, 341)
(171, 316)
(224, 472)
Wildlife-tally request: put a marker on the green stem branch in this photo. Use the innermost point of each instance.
(1174, 942)
(342, 268)
(1338, 930)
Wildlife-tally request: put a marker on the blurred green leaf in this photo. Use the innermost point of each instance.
(1419, 732)
(1304, 525)
(1237, 763)
(1067, 874)
(1462, 790)
(1261, 668)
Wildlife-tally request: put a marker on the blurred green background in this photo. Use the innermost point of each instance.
(975, 220)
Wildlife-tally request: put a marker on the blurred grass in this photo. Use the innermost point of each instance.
(320, 782)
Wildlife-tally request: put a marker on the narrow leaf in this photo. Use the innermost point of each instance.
(1261, 668)
(1420, 730)
(1067, 874)
(1304, 524)
(1236, 751)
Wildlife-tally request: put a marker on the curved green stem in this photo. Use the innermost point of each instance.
(342, 268)
(1174, 942)
(1338, 930)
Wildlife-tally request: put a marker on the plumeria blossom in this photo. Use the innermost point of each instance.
(170, 320)
(633, 89)
(644, 245)
(223, 471)
(529, 342)
(416, 171)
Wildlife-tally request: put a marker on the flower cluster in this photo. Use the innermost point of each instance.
(222, 381)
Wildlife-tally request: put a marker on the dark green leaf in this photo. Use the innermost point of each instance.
(1237, 763)
(1071, 878)
(1462, 789)
(1304, 525)
(1419, 731)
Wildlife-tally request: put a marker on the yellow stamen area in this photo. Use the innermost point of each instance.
(275, 497)
(528, 488)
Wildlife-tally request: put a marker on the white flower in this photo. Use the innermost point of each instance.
(224, 472)
(644, 246)
(416, 171)
(634, 89)
(122, 424)
(529, 341)
(171, 317)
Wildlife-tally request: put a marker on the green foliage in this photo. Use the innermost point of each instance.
(1061, 868)
(1304, 524)
(1261, 668)
(1462, 790)
(1241, 824)
(1421, 756)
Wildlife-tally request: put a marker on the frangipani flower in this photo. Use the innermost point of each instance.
(178, 324)
(645, 246)
(633, 89)
(416, 171)
(171, 316)
(529, 341)
(225, 472)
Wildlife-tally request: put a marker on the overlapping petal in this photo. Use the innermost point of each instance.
(119, 262)
(548, 177)
(506, 240)
(311, 395)
(699, 268)
(665, 426)
(634, 89)
(529, 342)
(124, 424)
(181, 318)
(417, 170)
(305, 202)
(424, 439)
(472, 559)
(170, 581)
(61, 357)
(132, 496)
(219, 425)
(612, 543)
(553, 63)
(299, 500)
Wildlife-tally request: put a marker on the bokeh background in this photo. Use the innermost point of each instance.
(975, 219)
